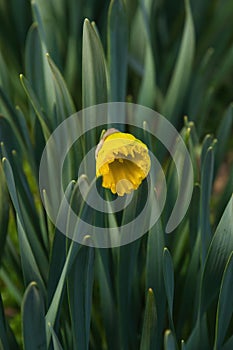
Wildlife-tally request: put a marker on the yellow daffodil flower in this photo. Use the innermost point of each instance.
(122, 160)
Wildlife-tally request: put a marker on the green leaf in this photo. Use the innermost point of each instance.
(56, 343)
(4, 211)
(8, 109)
(27, 147)
(45, 78)
(206, 188)
(225, 305)
(169, 342)
(55, 304)
(37, 45)
(29, 263)
(117, 50)
(194, 213)
(36, 106)
(154, 274)
(33, 313)
(61, 89)
(11, 134)
(149, 323)
(64, 107)
(10, 284)
(128, 256)
(72, 70)
(139, 35)
(182, 70)
(148, 88)
(199, 338)
(80, 285)
(28, 212)
(3, 328)
(58, 283)
(229, 344)
(183, 346)
(81, 276)
(127, 261)
(225, 196)
(199, 88)
(225, 67)
(107, 299)
(191, 286)
(223, 135)
(147, 93)
(4, 75)
(94, 74)
(59, 244)
(7, 338)
(34, 64)
(179, 183)
(208, 142)
(47, 15)
(168, 273)
(217, 257)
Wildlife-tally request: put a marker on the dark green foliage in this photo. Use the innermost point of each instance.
(163, 291)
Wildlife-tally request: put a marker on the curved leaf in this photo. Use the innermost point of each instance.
(94, 73)
(182, 70)
(218, 255)
(149, 323)
(225, 304)
(33, 313)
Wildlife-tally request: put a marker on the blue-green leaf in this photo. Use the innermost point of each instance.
(149, 323)
(168, 273)
(223, 135)
(217, 257)
(36, 106)
(117, 50)
(64, 103)
(4, 211)
(3, 328)
(169, 342)
(229, 344)
(80, 284)
(33, 313)
(181, 74)
(56, 343)
(154, 274)
(225, 304)
(94, 73)
(29, 264)
(206, 187)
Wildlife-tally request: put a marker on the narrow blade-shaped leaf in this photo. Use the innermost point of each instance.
(150, 323)
(80, 284)
(169, 342)
(218, 255)
(94, 76)
(56, 343)
(117, 50)
(33, 313)
(168, 272)
(182, 69)
(225, 304)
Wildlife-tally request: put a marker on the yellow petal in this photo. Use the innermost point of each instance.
(123, 162)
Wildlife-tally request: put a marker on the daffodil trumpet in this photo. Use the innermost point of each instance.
(122, 160)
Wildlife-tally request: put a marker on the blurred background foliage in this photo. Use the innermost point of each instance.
(154, 31)
(57, 57)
